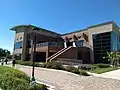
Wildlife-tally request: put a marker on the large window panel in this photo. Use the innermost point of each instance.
(18, 45)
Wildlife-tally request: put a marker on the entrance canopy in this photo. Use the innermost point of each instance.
(44, 36)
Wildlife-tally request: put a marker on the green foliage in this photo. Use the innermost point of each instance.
(13, 79)
(103, 70)
(85, 67)
(53, 65)
(72, 69)
(113, 57)
(84, 73)
(38, 86)
(76, 71)
(102, 65)
(28, 63)
(4, 53)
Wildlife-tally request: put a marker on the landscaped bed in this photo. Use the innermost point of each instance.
(54, 65)
(13, 79)
(97, 68)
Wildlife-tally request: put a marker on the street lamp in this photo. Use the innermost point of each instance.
(33, 53)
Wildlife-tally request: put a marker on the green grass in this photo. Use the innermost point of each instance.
(103, 70)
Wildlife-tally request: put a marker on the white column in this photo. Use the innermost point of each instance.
(65, 45)
(74, 45)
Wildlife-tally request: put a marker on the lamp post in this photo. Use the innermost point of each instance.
(33, 54)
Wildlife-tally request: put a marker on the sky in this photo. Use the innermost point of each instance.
(60, 16)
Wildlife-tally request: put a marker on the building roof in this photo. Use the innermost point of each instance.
(32, 26)
(48, 31)
(96, 25)
(105, 23)
(74, 32)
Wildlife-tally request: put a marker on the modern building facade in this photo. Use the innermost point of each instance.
(89, 45)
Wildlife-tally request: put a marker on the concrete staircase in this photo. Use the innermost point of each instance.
(54, 56)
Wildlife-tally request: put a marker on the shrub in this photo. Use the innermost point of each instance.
(13, 79)
(72, 69)
(102, 65)
(84, 73)
(39, 87)
(53, 65)
(85, 67)
(28, 63)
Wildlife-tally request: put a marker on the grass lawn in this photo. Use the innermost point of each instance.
(103, 70)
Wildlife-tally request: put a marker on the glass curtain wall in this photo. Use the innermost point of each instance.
(101, 44)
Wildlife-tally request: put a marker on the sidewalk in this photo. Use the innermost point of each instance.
(66, 81)
(112, 74)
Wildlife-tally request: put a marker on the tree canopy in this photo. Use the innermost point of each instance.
(4, 53)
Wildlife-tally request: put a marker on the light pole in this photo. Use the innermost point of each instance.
(33, 53)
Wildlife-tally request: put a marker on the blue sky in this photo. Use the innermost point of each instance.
(56, 15)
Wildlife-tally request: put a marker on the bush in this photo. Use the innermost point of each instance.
(28, 63)
(53, 65)
(85, 67)
(13, 79)
(72, 69)
(38, 86)
(84, 73)
(102, 65)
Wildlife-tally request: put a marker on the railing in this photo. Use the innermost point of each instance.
(66, 49)
(55, 54)
(49, 44)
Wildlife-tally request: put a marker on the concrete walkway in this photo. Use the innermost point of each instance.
(112, 74)
(62, 80)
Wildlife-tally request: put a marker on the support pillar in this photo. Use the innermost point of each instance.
(74, 44)
(65, 44)
(47, 55)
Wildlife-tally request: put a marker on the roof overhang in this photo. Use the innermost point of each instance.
(43, 36)
(39, 31)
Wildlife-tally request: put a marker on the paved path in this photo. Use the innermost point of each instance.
(112, 74)
(66, 81)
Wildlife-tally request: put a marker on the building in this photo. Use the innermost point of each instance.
(89, 45)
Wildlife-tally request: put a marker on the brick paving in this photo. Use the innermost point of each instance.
(67, 81)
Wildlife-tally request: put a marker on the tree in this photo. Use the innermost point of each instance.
(113, 57)
(4, 53)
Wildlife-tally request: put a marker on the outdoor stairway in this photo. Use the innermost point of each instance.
(58, 53)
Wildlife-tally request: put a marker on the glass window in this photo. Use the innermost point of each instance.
(80, 43)
(18, 45)
(17, 39)
(20, 38)
(118, 38)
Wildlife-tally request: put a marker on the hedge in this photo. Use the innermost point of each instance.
(28, 63)
(13, 79)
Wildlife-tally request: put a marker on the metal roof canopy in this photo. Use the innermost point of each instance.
(42, 35)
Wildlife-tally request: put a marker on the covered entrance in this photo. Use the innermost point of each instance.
(36, 36)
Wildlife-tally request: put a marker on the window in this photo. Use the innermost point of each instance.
(20, 38)
(18, 45)
(80, 43)
(16, 39)
(118, 38)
